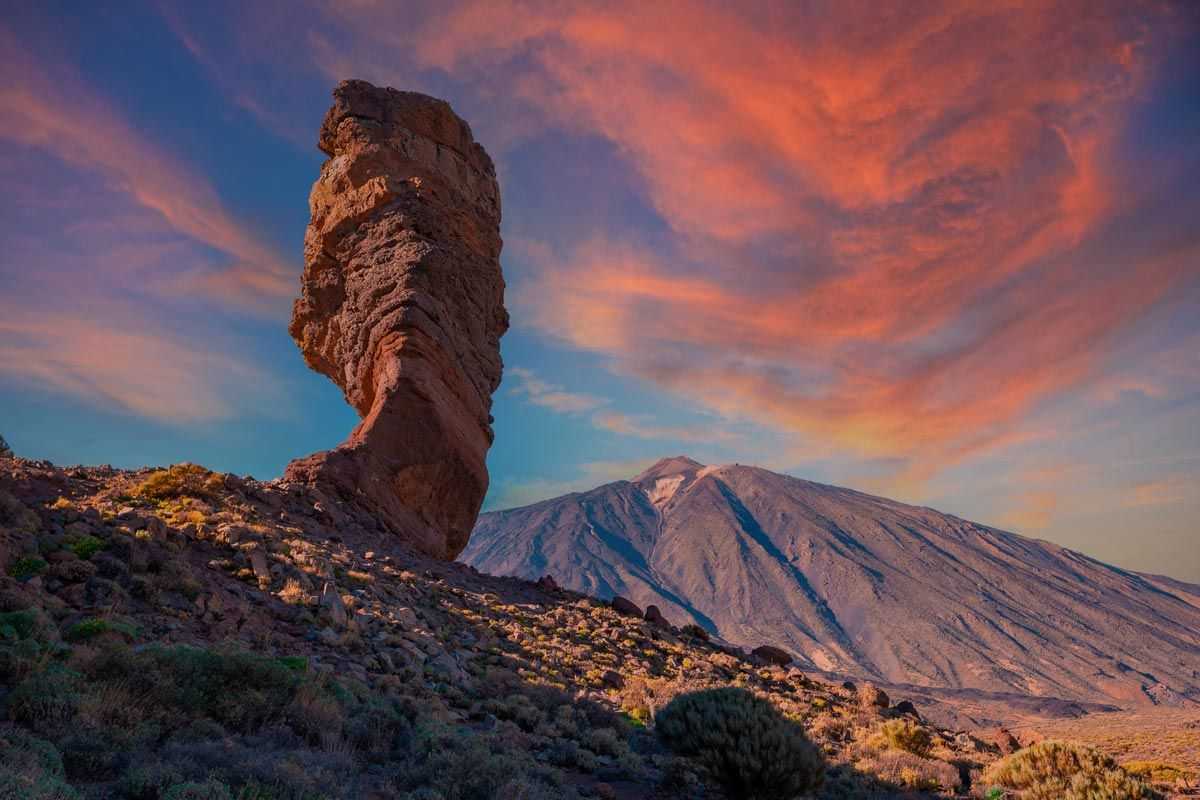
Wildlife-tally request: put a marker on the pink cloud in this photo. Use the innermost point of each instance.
(136, 368)
(53, 111)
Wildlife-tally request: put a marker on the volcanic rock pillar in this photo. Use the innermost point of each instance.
(402, 306)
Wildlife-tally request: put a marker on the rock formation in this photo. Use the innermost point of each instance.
(402, 306)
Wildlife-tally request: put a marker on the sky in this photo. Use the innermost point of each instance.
(944, 252)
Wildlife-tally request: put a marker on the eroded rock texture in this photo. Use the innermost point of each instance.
(402, 306)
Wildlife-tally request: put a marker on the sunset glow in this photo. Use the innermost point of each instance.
(948, 253)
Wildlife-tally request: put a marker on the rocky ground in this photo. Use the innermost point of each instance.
(166, 628)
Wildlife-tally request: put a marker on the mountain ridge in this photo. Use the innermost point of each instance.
(844, 581)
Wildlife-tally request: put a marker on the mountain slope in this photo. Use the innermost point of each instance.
(857, 584)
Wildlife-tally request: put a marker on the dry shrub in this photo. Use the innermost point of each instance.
(316, 715)
(1065, 771)
(293, 593)
(906, 735)
(180, 480)
(829, 728)
(910, 771)
(111, 705)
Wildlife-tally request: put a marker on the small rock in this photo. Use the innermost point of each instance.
(332, 604)
(258, 563)
(1003, 739)
(772, 655)
(906, 707)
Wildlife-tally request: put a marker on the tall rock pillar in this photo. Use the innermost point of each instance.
(402, 306)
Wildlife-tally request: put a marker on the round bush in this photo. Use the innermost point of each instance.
(747, 746)
(1065, 771)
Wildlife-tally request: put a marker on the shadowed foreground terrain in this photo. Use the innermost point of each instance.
(182, 628)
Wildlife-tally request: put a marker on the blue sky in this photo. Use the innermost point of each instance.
(873, 250)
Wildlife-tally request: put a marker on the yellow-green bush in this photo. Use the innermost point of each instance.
(180, 480)
(1065, 771)
(743, 742)
(906, 735)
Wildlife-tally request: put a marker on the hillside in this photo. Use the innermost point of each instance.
(860, 585)
(181, 628)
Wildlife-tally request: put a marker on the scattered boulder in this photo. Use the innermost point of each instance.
(612, 679)
(547, 584)
(872, 696)
(1005, 741)
(332, 604)
(906, 707)
(627, 607)
(402, 306)
(772, 655)
(850, 686)
(655, 617)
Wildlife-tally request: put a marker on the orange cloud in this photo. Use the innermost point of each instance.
(889, 230)
(152, 374)
(886, 223)
(55, 112)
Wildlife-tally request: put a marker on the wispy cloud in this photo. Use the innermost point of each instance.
(50, 108)
(134, 368)
(549, 395)
(644, 427)
(887, 232)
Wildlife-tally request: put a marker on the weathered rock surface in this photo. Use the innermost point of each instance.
(402, 306)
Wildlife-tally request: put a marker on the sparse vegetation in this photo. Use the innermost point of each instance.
(350, 667)
(1065, 771)
(27, 567)
(903, 734)
(743, 741)
(84, 546)
(180, 480)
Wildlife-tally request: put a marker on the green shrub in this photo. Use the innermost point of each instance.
(27, 567)
(240, 690)
(45, 698)
(30, 623)
(294, 663)
(747, 746)
(89, 628)
(906, 735)
(85, 546)
(1065, 771)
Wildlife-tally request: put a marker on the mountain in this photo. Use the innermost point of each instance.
(860, 585)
